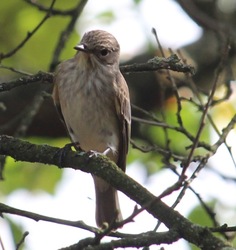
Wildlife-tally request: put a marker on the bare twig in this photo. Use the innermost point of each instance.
(201, 104)
(29, 114)
(41, 77)
(20, 243)
(29, 34)
(225, 133)
(15, 70)
(224, 228)
(201, 126)
(179, 105)
(1, 244)
(66, 33)
(53, 11)
(38, 217)
(182, 130)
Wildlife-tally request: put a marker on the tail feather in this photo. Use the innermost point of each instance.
(107, 203)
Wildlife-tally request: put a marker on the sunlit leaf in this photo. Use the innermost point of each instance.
(199, 215)
(16, 231)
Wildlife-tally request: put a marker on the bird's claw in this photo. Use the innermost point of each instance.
(62, 152)
(93, 153)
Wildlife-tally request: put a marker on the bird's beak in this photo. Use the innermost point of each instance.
(81, 47)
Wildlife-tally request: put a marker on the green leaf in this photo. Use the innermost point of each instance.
(199, 215)
(16, 230)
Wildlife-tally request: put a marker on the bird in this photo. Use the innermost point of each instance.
(92, 98)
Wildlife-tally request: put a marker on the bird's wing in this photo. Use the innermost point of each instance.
(123, 110)
(55, 96)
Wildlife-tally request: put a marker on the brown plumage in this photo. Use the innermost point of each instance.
(93, 100)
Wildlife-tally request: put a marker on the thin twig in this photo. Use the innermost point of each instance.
(20, 243)
(225, 133)
(226, 97)
(66, 33)
(179, 105)
(175, 128)
(29, 35)
(38, 217)
(29, 114)
(206, 109)
(1, 244)
(15, 70)
(53, 11)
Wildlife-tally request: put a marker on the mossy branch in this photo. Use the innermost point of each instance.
(106, 169)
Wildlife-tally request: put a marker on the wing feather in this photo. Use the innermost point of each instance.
(123, 110)
(56, 98)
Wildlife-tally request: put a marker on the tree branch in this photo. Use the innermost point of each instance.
(42, 77)
(154, 64)
(137, 241)
(107, 170)
(157, 63)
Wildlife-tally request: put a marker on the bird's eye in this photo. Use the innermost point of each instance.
(104, 52)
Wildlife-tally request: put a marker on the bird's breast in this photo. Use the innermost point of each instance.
(90, 115)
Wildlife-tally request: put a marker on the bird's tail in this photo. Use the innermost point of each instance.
(107, 203)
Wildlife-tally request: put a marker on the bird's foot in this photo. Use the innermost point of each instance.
(93, 153)
(62, 152)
